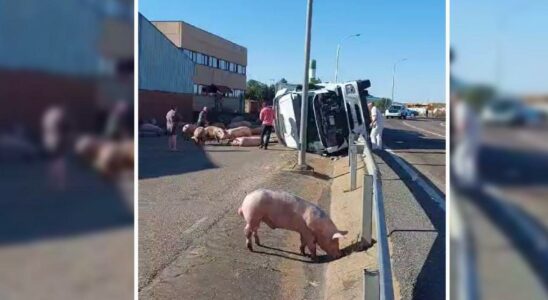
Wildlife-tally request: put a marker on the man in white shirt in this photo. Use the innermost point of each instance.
(171, 126)
(377, 125)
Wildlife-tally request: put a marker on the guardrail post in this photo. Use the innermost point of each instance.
(353, 158)
(367, 211)
(370, 285)
(350, 143)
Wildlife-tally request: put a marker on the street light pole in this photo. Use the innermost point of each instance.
(338, 52)
(394, 77)
(304, 98)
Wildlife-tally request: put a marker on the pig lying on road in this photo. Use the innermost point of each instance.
(238, 132)
(283, 210)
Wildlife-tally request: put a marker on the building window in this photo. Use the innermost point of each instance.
(188, 53)
(232, 67)
(222, 64)
(213, 62)
(241, 69)
(195, 89)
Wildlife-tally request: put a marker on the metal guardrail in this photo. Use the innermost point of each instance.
(373, 201)
(464, 281)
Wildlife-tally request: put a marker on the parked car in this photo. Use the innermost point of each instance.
(395, 111)
(410, 114)
(509, 111)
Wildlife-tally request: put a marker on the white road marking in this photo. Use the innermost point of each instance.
(442, 124)
(525, 226)
(421, 129)
(440, 200)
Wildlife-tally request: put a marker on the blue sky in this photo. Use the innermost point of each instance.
(273, 32)
(475, 31)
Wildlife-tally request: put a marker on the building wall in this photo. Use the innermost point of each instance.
(34, 36)
(206, 76)
(29, 94)
(230, 104)
(154, 104)
(162, 66)
(188, 37)
(184, 35)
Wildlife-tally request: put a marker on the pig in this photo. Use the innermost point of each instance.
(279, 209)
(214, 133)
(188, 130)
(247, 141)
(256, 130)
(238, 132)
(113, 158)
(218, 124)
(199, 136)
(87, 147)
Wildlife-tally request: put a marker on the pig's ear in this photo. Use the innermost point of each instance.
(339, 235)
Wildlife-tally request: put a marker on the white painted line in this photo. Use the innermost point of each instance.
(440, 200)
(525, 226)
(421, 129)
(442, 124)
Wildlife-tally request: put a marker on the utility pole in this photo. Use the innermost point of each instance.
(338, 52)
(304, 98)
(394, 77)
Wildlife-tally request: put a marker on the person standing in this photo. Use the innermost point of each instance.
(171, 126)
(267, 117)
(55, 134)
(202, 117)
(377, 126)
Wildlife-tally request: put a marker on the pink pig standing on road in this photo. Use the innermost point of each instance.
(283, 210)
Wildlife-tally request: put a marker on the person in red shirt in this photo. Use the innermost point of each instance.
(267, 117)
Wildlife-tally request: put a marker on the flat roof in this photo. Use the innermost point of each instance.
(198, 28)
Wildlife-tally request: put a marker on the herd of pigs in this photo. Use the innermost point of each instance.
(276, 209)
(237, 133)
(110, 158)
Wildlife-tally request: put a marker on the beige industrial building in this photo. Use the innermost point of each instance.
(220, 65)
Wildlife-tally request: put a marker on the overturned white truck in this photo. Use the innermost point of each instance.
(334, 111)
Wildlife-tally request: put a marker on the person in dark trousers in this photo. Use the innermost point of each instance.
(202, 117)
(267, 118)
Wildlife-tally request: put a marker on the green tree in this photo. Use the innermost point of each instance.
(255, 90)
(478, 95)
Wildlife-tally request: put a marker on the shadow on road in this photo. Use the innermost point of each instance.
(156, 161)
(30, 209)
(430, 283)
(397, 139)
(511, 167)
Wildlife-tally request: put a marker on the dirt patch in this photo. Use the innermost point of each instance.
(344, 277)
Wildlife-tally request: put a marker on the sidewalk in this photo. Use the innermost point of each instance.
(344, 277)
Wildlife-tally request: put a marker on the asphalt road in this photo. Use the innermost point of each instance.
(191, 239)
(75, 243)
(413, 178)
(507, 214)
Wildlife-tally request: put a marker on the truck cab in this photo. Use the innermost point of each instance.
(335, 110)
